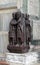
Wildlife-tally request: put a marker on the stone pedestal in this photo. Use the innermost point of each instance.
(30, 58)
(24, 59)
(20, 49)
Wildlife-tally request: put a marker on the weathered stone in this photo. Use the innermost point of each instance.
(19, 33)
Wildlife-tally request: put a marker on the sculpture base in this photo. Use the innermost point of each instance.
(18, 49)
(22, 59)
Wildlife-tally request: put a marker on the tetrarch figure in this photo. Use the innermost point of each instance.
(19, 33)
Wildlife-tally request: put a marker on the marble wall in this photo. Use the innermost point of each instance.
(4, 28)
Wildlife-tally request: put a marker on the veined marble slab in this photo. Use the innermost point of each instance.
(8, 3)
(29, 58)
(33, 7)
(26, 58)
(36, 29)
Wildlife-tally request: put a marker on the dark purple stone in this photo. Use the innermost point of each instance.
(19, 33)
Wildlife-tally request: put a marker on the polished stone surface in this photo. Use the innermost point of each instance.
(26, 58)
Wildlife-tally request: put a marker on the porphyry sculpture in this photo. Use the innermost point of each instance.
(19, 33)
